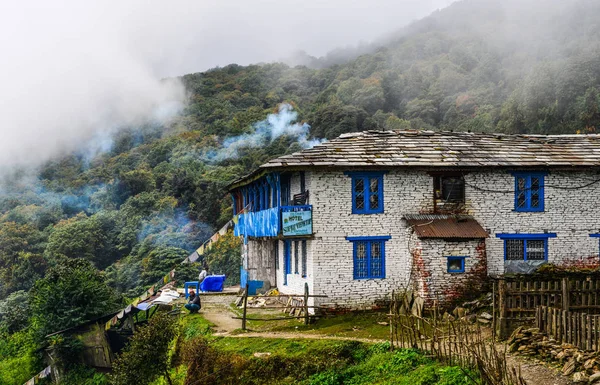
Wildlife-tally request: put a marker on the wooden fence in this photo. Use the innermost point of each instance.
(455, 342)
(518, 299)
(579, 329)
(301, 307)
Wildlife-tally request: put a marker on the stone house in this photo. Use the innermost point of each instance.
(370, 212)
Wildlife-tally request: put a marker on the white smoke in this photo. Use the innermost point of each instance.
(266, 131)
(69, 84)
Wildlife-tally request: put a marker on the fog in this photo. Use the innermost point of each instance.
(72, 71)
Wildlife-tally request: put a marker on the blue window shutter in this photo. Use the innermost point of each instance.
(526, 238)
(368, 255)
(364, 199)
(529, 191)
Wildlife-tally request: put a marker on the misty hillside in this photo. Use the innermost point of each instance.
(158, 192)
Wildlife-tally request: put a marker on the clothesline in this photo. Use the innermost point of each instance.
(43, 374)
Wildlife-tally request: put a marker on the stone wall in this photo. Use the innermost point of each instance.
(431, 279)
(572, 214)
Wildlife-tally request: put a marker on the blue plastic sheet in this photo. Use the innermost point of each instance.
(213, 283)
(264, 223)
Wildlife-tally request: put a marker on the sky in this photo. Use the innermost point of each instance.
(77, 70)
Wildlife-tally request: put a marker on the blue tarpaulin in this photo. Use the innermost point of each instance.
(264, 223)
(213, 283)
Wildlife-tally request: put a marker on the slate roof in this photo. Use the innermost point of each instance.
(446, 226)
(443, 149)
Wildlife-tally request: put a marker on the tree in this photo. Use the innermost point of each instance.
(146, 357)
(225, 258)
(72, 292)
(14, 312)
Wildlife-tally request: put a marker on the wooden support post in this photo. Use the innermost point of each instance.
(306, 303)
(245, 307)
(565, 294)
(502, 321)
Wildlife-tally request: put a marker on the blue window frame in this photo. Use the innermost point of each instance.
(526, 247)
(456, 264)
(529, 191)
(369, 256)
(367, 192)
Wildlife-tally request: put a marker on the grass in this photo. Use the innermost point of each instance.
(364, 324)
(316, 361)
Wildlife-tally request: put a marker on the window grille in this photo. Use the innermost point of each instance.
(367, 193)
(529, 191)
(369, 257)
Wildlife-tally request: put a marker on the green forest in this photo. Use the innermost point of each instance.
(100, 229)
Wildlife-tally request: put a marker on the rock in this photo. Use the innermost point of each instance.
(383, 323)
(589, 364)
(483, 321)
(569, 367)
(580, 377)
(486, 315)
(514, 335)
(594, 378)
(522, 348)
(260, 355)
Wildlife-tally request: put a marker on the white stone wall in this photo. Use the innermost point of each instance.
(333, 221)
(430, 276)
(572, 214)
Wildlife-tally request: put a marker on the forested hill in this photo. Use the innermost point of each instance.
(137, 209)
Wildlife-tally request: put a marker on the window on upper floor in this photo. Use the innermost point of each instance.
(456, 264)
(526, 247)
(369, 257)
(367, 192)
(449, 188)
(529, 191)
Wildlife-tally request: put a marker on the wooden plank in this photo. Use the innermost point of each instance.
(589, 344)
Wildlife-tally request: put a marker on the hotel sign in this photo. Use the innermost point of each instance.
(296, 223)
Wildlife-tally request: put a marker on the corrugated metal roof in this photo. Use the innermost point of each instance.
(446, 226)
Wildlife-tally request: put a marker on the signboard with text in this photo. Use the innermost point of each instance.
(296, 223)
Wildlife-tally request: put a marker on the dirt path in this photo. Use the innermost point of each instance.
(535, 373)
(221, 318)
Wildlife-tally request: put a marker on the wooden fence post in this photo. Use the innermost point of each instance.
(245, 307)
(306, 303)
(565, 294)
(502, 321)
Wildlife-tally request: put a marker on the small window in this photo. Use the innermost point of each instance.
(367, 193)
(456, 264)
(304, 258)
(369, 257)
(529, 191)
(526, 247)
(449, 189)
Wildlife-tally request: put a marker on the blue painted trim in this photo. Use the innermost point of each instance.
(462, 264)
(526, 236)
(375, 238)
(528, 175)
(296, 208)
(366, 176)
(595, 235)
(368, 240)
